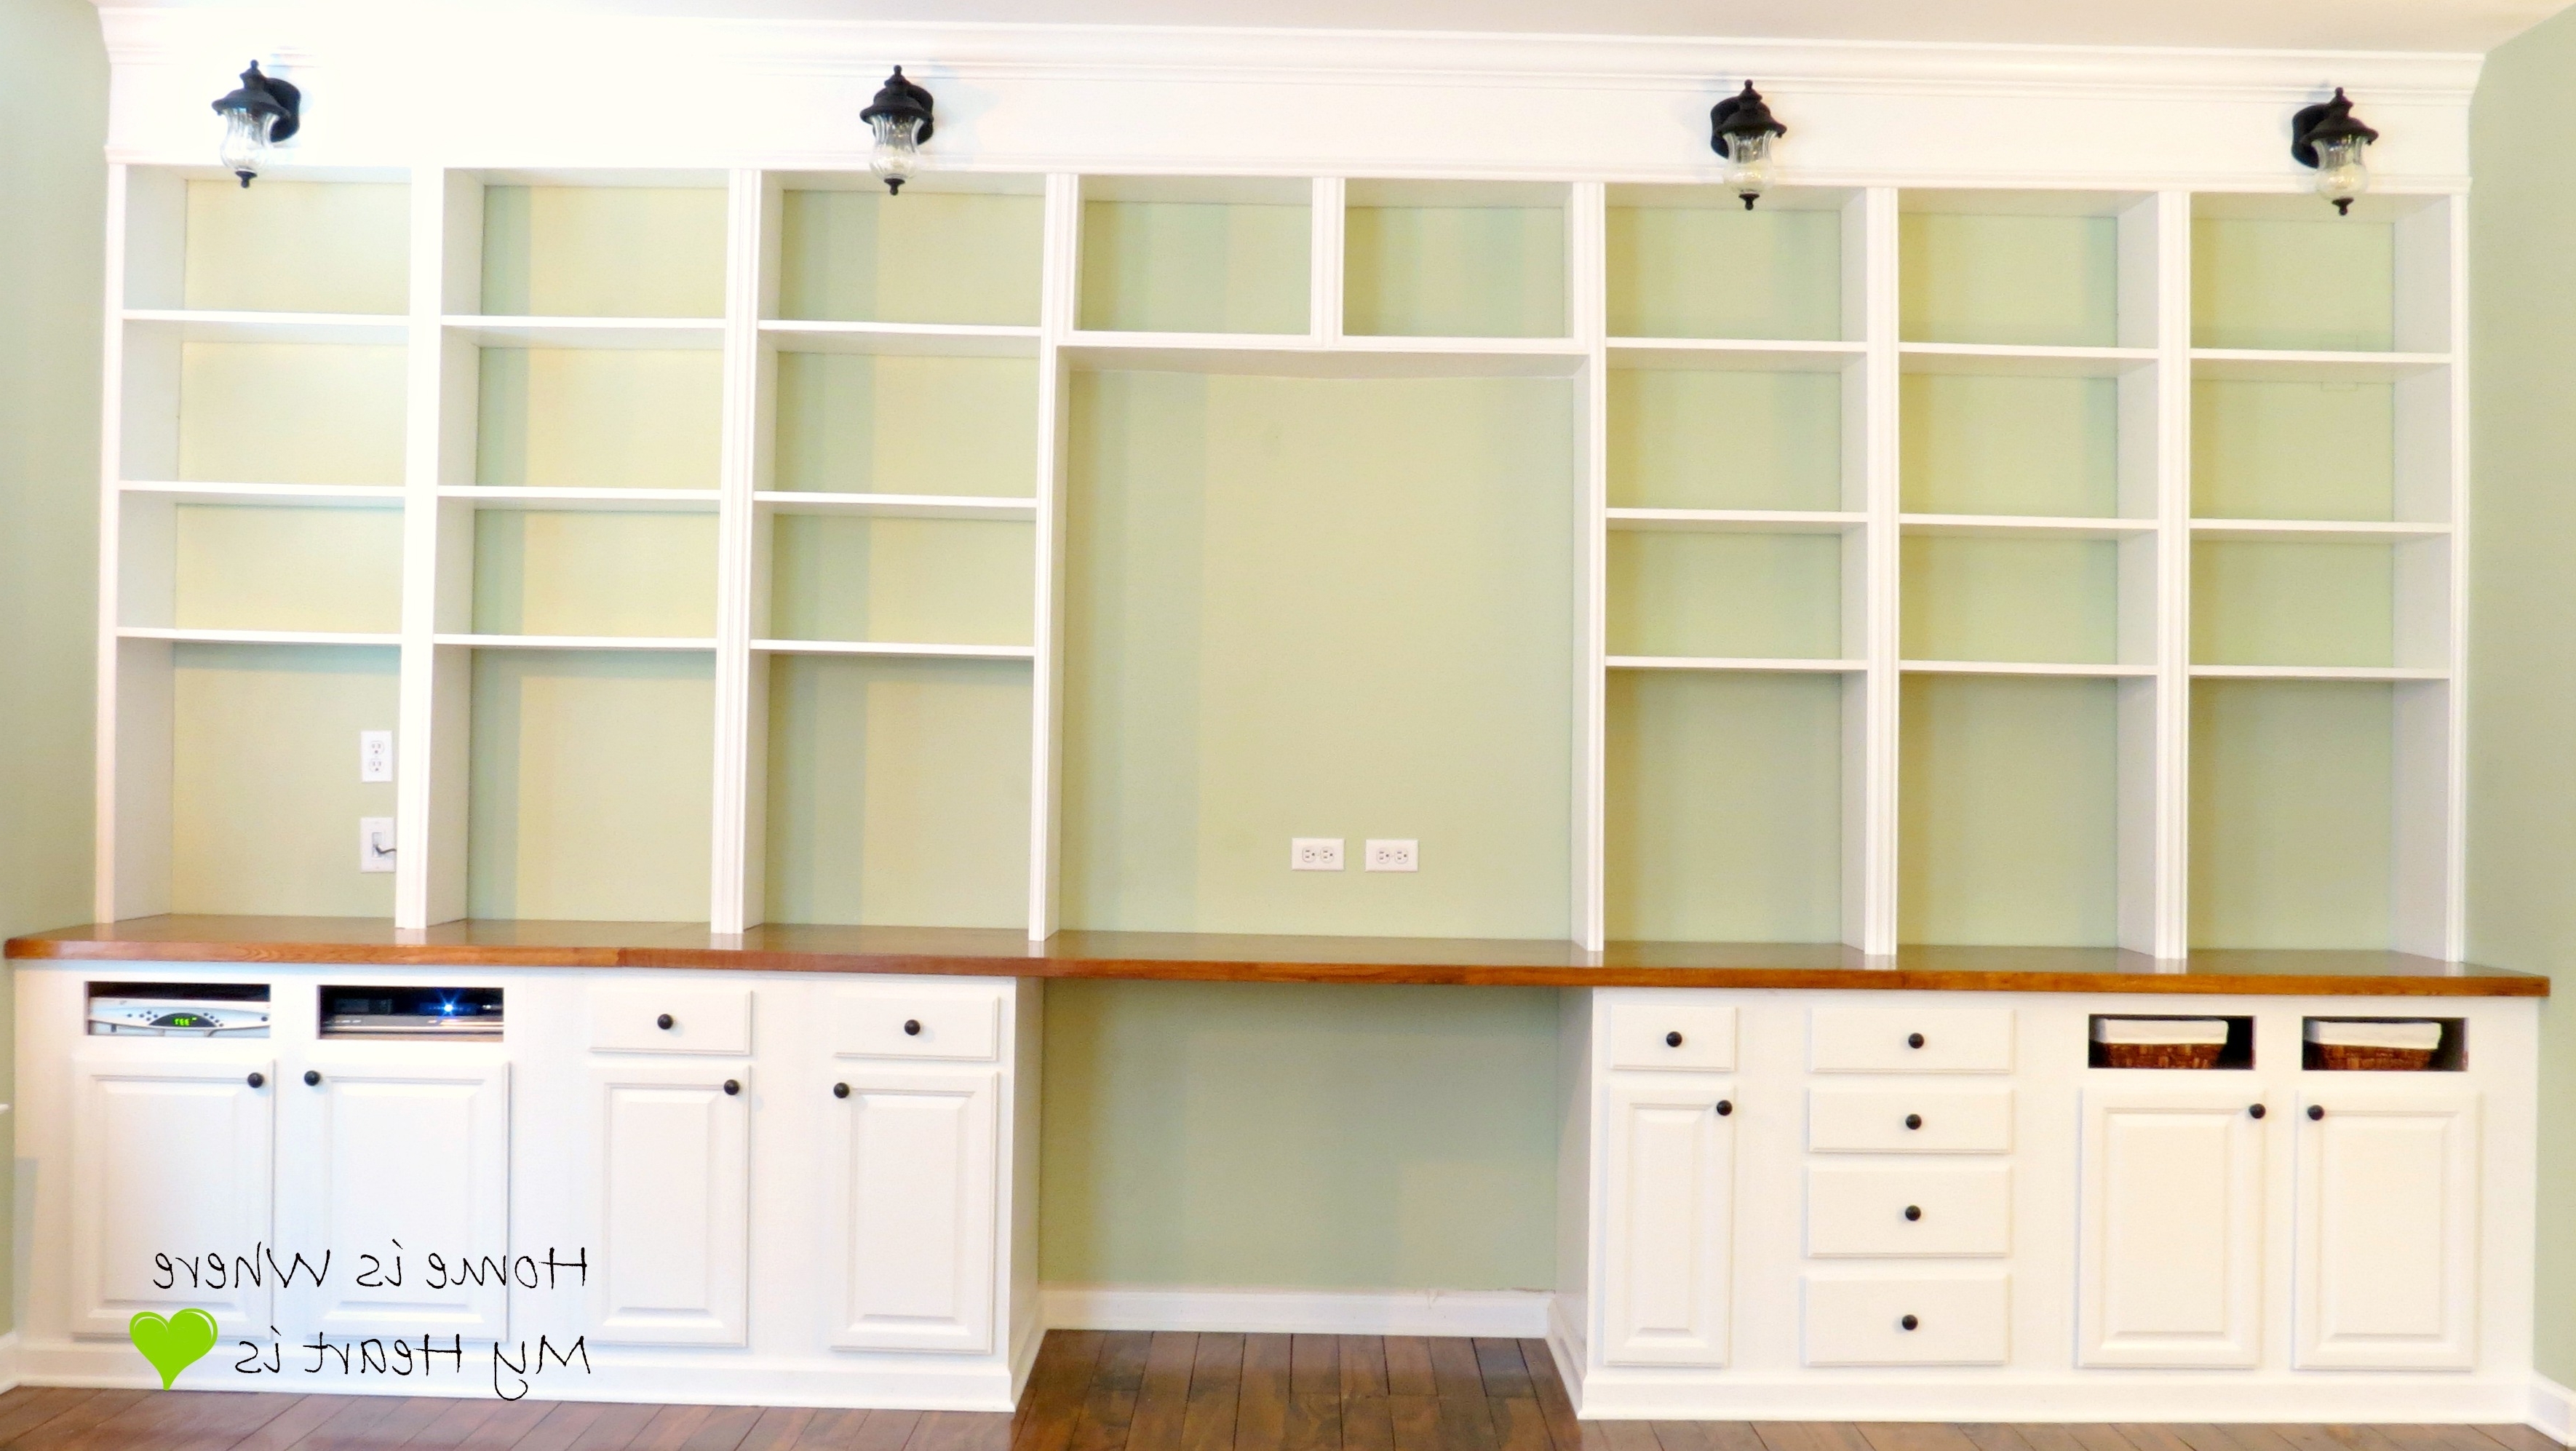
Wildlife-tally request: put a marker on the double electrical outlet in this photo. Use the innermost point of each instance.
(1382, 854)
(375, 833)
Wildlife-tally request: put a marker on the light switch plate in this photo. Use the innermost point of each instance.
(1393, 854)
(1315, 854)
(375, 843)
(375, 755)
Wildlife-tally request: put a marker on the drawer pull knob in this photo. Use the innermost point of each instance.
(1908, 1323)
(1913, 1212)
(1672, 1040)
(912, 1027)
(840, 1090)
(732, 1087)
(1725, 1106)
(1914, 1120)
(2316, 1110)
(258, 1079)
(2255, 1111)
(312, 1077)
(663, 1022)
(1913, 1040)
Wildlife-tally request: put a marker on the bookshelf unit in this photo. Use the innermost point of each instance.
(1885, 565)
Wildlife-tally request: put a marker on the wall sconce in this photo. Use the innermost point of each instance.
(264, 111)
(1740, 129)
(900, 116)
(2325, 136)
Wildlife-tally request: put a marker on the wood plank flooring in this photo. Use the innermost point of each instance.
(1101, 1391)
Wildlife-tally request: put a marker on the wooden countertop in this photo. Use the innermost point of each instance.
(1208, 957)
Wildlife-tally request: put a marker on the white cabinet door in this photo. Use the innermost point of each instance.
(913, 1233)
(1668, 1221)
(669, 1182)
(398, 1156)
(2387, 1224)
(170, 1158)
(2170, 1269)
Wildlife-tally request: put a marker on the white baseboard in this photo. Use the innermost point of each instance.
(1511, 1314)
(9, 1361)
(2553, 1409)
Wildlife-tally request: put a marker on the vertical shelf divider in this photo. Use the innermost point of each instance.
(1587, 306)
(1872, 901)
(736, 894)
(1060, 255)
(124, 868)
(418, 736)
(1325, 259)
(2166, 931)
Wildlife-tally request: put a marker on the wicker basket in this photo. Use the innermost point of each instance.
(2374, 1060)
(2161, 1055)
(2160, 1042)
(2373, 1047)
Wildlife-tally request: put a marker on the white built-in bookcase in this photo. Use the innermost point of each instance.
(438, 442)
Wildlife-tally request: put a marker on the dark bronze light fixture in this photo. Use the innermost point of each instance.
(2325, 136)
(264, 111)
(900, 117)
(1740, 129)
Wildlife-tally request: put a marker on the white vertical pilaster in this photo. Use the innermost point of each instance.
(2169, 932)
(1325, 257)
(1882, 688)
(1062, 260)
(1587, 307)
(731, 907)
(423, 894)
(108, 879)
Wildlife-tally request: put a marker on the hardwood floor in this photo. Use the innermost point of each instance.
(1098, 1391)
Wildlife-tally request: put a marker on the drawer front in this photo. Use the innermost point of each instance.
(1910, 1120)
(1957, 1321)
(1882, 1040)
(954, 1025)
(1909, 1211)
(702, 1019)
(1663, 1033)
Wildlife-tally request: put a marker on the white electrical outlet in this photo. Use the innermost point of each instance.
(1315, 854)
(375, 843)
(375, 755)
(1393, 854)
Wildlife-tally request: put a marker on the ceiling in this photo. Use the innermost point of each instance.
(2403, 25)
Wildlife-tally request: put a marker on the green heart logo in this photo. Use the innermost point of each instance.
(174, 1344)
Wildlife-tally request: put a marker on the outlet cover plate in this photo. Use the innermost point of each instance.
(375, 843)
(375, 755)
(1393, 854)
(1314, 854)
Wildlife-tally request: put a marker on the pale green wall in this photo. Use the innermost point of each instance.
(2522, 614)
(53, 107)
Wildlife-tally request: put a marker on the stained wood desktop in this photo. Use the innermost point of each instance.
(1216, 957)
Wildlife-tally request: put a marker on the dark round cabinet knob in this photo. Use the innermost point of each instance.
(2316, 1110)
(732, 1087)
(912, 1027)
(664, 1022)
(258, 1080)
(312, 1077)
(1913, 1040)
(1913, 1212)
(840, 1090)
(1725, 1106)
(1672, 1040)
(1914, 1120)
(1908, 1323)
(2256, 1111)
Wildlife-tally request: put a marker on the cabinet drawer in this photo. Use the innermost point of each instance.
(1957, 1321)
(1955, 1211)
(1663, 1033)
(951, 1026)
(1883, 1040)
(1910, 1120)
(702, 1019)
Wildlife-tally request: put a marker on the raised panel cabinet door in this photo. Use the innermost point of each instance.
(1668, 1220)
(170, 1158)
(2170, 1265)
(669, 1184)
(398, 1158)
(913, 1238)
(2387, 1225)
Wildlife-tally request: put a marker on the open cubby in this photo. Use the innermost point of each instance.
(264, 795)
(1692, 262)
(590, 795)
(2029, 598)
(2236, 1053)
(905, 424)
(2450, 1056)
(576, 418)
(952, 248)
(1700, 592)
(1195, 255)
(557, 250)
(1973, 443)
(2018, 269)
(235, 567)
(2320, 602)
(1725, 817)
(2282, 273)
(200, 410)
(207, 243)
(567, 572)
(1454, 259)
(898, 791)
(899, 580)
(2289, 449)
(1714, 437)
(2008, 811)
